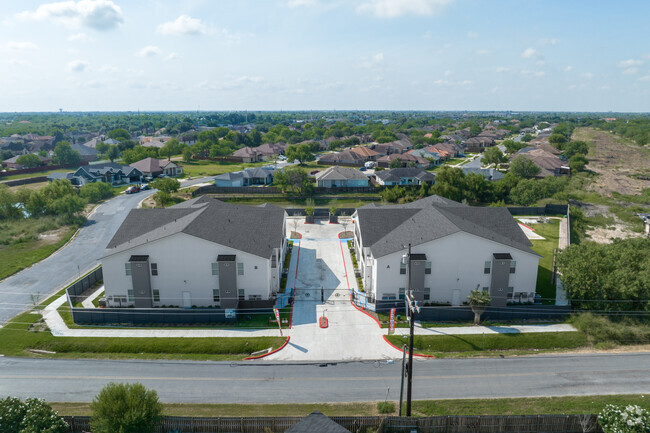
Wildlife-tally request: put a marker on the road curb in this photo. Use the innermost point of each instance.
(414, 354)
(249, 358)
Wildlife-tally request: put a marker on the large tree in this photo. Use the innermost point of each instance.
(30, 160)
(524, 167)
(294, 179)
(300, 152)
(112, 153)
(65, 155)
(492, 155)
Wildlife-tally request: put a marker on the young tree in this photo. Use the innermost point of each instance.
(94, 192)
(492, 155)
(30, 160)
(187, 154)
(65, 155)
(396, 163)
(513, 146)
(166, 184)
(170, 148)
(577, 163)
(112, 153)
(125, 408)
(162, 198)
(524, 167)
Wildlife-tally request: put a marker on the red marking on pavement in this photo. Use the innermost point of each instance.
(529, 228)
(270, 353)
(349, 292)
(414, 354)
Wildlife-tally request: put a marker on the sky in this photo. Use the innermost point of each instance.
(158, 55)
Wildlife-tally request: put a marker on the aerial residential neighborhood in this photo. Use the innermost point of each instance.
(375, 216)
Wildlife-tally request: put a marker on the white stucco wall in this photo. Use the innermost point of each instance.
(457, 262)
(184, 264)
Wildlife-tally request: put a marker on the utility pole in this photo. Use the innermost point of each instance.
(412, 309)
(401, 386)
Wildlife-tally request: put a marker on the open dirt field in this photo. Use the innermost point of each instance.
(615, 159)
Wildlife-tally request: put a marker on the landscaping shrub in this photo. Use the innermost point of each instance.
(125, 408)
(385, 407)
(624, 419)
(603, 330)
(31, 416)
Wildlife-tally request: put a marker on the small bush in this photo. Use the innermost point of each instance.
(125, 408)
(31, 416)
(624, 419)
(385, 407)
(604, 332)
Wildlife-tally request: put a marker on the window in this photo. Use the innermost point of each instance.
(486, 289)
(254, 297)
(274, 261)
(156, 295)
(427, 293)
(127, 268)
(513, 266)
(215, 268)
(131, 296)
(510, 292)
(388, 297)
(402, 291)
(241, 294)
(402, 268)
(427, 268)
(486, 267)
(154, 269)
(216, 295)
(240, 269)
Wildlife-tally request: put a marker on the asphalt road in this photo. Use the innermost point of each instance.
(258, 382)
(76, 258)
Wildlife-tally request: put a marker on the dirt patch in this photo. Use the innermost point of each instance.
(346, 235)
(605, 235)
(616, 161)
(295, 235)
(53, 236)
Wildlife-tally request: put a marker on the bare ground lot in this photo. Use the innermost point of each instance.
(616, 160)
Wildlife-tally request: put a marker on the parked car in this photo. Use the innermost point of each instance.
(282, 158)
(369, 164)
(313, 172)
(144, 187)
(132, 189)
(363, 169)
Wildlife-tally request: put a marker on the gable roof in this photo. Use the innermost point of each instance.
(316, 422)
(386, 229)
(340, 173)
(395, 174)
(364, 151)
(255, 230)
(344, 156)
(488, 173)
(148, 165)
(84, 150)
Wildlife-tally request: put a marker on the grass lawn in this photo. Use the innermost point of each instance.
(444, 346)
(36, 174)
(469, 407)
(213, 168)
(551, 234)
(22, 333)
(16, 257)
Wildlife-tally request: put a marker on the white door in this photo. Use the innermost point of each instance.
(187, 300)
(455, 298)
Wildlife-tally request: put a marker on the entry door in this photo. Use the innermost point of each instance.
(187, 300)
(455, 298)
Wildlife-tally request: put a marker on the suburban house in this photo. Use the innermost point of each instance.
(154, 167)
(145, 140)
(432, 156)
(346, 157)
(248, 177)
(478, 144)
(13, 162)
(404, 159)
(489, 173)
(455, 249)
(404, 176)
(158, 144)
(337, 177)
(112, 173)
(202, 252)
(367, 153)
(549, 164)
(247, 154)
(87, 153)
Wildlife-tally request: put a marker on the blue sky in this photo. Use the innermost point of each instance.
(324, 54)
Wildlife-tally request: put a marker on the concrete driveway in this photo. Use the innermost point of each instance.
(322, 264)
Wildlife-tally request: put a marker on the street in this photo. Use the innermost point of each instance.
(264, 382)
(80, 255)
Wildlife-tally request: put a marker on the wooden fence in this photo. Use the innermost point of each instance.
(39, 169)
(26, 181)
(360, 424)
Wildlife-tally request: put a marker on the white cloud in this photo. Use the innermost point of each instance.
(448, 83)
(17, 47)
(95, 14)
(502, 69)
(629, 63)
(587, 75)
(549, 41)
(631, 71)
(20, 62)
(448, 72)
(77, 65)
(78, 37)
(605, 87)
(472, 35)
(531, 53)
(372, 62)
(183, 25)
(396, 8)
(299, 3)
(149, 51)
(568, 68)
(483, 52)
(536, 74)
(171, 56)
(108, 69)
(645, 78)
(427, 34)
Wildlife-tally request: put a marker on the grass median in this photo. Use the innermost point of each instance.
(26, 333)
(469, 407)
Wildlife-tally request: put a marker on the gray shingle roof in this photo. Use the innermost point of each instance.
(385, 229)
(255, 230)
(396, 174)
(316, 422)
(340, 173)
